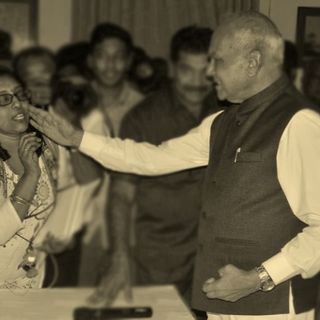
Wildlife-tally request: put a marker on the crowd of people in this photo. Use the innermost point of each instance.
(116, 172)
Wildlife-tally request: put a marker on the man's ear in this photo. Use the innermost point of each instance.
(254, 62)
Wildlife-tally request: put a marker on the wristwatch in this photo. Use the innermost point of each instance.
(266, 283)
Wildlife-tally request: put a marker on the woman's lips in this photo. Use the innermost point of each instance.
(19, 117)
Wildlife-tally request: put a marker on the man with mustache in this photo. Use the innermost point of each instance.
(167, 208)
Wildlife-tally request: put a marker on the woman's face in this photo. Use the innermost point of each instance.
(14, 118)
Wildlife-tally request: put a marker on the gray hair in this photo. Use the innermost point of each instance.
(251, 30)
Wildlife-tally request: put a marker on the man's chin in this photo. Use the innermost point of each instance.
(110, 82)
(194, 99)
(221, 95)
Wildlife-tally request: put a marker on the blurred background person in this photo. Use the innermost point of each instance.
(109, 60)
(146, 73)
(5, 49)
(75, 99)
(37, 69)
(291, 61)
(36, 66)
(292, 66)
(72, 58)
(79, 178)
(168, 207)
(312, 81)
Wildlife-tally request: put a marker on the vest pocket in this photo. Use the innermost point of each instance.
(242, 253)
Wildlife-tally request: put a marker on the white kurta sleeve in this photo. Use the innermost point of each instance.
(185, 152)
(299, 176)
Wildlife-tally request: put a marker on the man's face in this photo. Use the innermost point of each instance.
(37, 78)
(189, 75)
(227, 68)
(109, 62)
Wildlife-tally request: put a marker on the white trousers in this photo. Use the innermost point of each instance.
(289, 316)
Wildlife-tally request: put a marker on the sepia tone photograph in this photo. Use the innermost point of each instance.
(159, 159)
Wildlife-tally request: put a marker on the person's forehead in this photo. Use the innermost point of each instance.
(223, 41)
(111, 45)
(38, 70)
(192, 58)
(8, 83)
(75, 79)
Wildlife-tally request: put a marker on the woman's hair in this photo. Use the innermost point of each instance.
(8, 73)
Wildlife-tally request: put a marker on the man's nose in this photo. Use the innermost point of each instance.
(210, 72)
(199, 79)
(109, 64)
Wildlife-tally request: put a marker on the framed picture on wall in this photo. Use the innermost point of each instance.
(19, 18)
(308, 32)
(308, 43)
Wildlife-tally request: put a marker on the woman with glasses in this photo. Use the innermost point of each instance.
(27, 188)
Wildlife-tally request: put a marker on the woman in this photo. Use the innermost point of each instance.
(27, 189)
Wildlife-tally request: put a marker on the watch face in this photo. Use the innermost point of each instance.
(267, 285)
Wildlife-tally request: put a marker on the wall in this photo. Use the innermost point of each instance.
(55, 18)
(54, 22)
(284, 14)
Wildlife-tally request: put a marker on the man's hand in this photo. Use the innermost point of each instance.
(232, 285)
(116, 278)
(55, 127)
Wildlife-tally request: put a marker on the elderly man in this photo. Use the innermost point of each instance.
(259, 233)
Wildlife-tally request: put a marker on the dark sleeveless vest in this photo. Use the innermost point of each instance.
(246, 218)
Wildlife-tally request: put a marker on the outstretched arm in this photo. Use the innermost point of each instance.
(186, 152)
(55, 127)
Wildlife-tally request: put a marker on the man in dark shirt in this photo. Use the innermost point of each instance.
(167, 208)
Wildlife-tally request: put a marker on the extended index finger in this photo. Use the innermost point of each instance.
(36, 112)
(41, 120)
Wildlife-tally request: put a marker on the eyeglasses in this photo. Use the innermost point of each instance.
(7, 98)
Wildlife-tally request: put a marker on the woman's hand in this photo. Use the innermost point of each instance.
(28, 145)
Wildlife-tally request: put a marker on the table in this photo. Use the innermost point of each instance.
(58, 303)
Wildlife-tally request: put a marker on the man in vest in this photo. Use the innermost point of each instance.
(259, 234)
